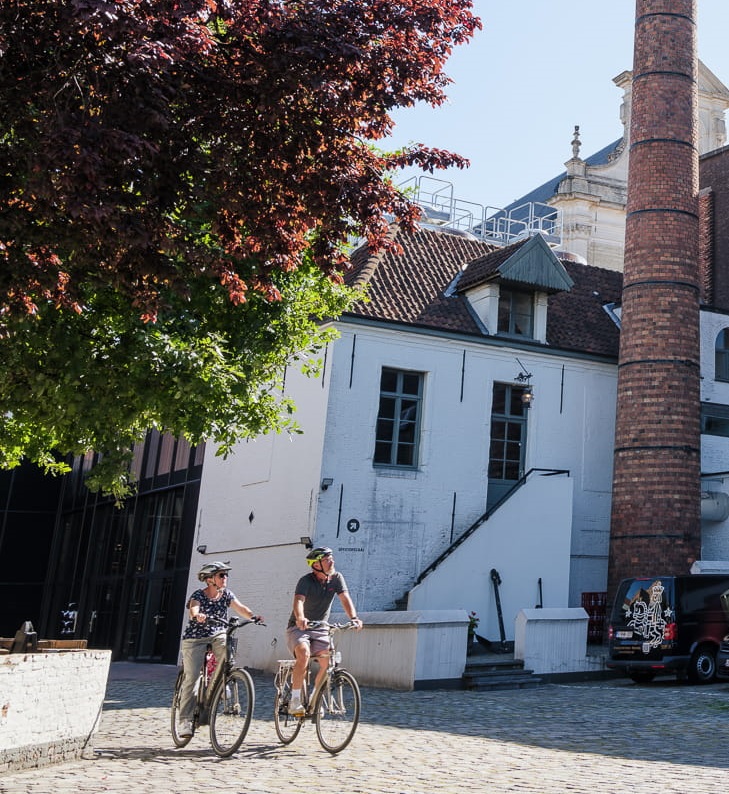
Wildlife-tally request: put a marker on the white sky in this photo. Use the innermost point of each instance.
(538, 68)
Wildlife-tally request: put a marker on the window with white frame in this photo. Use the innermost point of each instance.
(721, 355)
(398, 419)
(516, 312)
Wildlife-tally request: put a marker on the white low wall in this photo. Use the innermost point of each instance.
(554, 640)
(407, 650)
(50, 704)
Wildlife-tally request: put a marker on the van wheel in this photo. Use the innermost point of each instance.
(702, 668)
(642, 676)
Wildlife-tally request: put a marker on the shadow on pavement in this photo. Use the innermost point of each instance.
(663, 721)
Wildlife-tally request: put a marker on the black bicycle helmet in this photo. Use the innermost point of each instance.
(210, 569)
(316, 554)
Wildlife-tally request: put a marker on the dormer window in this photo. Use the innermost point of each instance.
(516, 312)
(508, 289)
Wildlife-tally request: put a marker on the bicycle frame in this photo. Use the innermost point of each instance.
(212, 669)
(286, 666)
(334, 658)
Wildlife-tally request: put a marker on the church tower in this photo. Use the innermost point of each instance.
(655, 522)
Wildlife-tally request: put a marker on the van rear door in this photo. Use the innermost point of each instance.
(643, 621)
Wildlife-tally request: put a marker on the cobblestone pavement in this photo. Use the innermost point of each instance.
(610, 736)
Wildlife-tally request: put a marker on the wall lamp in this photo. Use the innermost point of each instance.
(326, 482)
(527, 395)
(306, 541)
(202, 549)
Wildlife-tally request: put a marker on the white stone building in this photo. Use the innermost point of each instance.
(417, 427)
(445, 390)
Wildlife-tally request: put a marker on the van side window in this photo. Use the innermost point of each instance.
(698, 595)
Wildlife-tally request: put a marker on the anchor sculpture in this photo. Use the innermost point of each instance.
(496, 580)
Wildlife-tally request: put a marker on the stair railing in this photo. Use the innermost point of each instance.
(485, 517)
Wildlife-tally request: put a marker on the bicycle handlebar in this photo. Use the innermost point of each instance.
(322, 624)
(235, 622)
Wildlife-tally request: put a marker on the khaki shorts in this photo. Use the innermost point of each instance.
(317, 639)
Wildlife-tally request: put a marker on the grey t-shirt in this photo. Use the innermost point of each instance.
(318, 595)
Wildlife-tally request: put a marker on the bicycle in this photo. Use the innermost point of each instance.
(224, 697)
(334, 707)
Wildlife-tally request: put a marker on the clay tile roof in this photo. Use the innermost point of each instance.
(576, 320)
(409, 288)
(413, 289)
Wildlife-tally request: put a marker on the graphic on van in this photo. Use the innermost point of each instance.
(650, 619)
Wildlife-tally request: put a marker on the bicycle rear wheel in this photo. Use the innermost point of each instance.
(336, 711)
(180, 741)
(287, 727)
(231, 709)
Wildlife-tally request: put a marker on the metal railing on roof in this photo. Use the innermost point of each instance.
(491, 224)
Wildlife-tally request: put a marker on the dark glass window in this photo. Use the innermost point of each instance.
(398, 418)
(516, 312)
(508, 433)
(715, 419)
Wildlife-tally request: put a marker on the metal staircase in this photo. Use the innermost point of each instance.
(401, 603)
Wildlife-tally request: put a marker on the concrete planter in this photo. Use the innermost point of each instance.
(417, 649)
(50, 705)
(553, 641)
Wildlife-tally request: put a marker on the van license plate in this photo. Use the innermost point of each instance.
(623, 635)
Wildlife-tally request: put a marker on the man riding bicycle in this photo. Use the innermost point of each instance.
(313, 601)
(206, 606)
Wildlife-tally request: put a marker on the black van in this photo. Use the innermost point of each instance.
(662, 624)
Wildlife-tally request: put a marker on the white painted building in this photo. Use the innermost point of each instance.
(420, 406)
(390, 495)
(714, 439)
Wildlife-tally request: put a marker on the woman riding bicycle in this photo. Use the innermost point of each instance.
(206, 606)
(313, 601)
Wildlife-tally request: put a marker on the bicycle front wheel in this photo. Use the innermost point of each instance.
(231, 709)
(336, 711)
(180, 741)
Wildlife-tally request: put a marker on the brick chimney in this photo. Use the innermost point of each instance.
(655, 523)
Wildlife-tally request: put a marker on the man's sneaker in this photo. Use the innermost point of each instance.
(296, 708)
(185, 729)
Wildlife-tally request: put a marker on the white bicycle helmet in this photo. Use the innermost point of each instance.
(210, 569)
